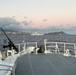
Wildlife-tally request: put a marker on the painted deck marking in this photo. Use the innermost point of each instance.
(67, 61)
(53, 66)
(30, 64)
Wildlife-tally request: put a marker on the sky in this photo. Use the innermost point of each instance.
(38, 15)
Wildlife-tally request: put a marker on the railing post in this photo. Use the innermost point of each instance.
(19, 50)
(24, 46)
(36, 44)
(45, 41)
(56, 47)
(75, 50)
(36, 48)
(64, 48)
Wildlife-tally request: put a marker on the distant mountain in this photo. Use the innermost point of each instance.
(56, 33)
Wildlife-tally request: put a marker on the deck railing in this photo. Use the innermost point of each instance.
(61, 47)
(23, 46)
(67, 49)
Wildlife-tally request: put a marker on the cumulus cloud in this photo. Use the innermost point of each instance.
(11, 23)
(6, 21)
(26, 22)
(45, 20)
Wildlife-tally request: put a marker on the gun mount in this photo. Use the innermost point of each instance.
(10, 43)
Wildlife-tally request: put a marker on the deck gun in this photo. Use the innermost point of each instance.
(11, 44)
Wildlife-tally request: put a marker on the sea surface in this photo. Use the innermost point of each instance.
(33, 38)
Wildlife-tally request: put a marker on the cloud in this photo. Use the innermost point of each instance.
(66, 29)
(45, 20)
(6, 21)
(26, 22)
(10, 23)
(13, 16)
(70, 29)
(25, 17)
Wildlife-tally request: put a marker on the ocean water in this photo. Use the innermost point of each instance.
(31, 38)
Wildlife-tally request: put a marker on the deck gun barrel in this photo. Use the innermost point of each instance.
(10, 42)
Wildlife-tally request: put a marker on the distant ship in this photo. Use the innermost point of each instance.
(36, 33)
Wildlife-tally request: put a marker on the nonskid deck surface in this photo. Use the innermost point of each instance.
(50, 64)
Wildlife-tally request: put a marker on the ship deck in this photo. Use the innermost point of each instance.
(42, 64)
